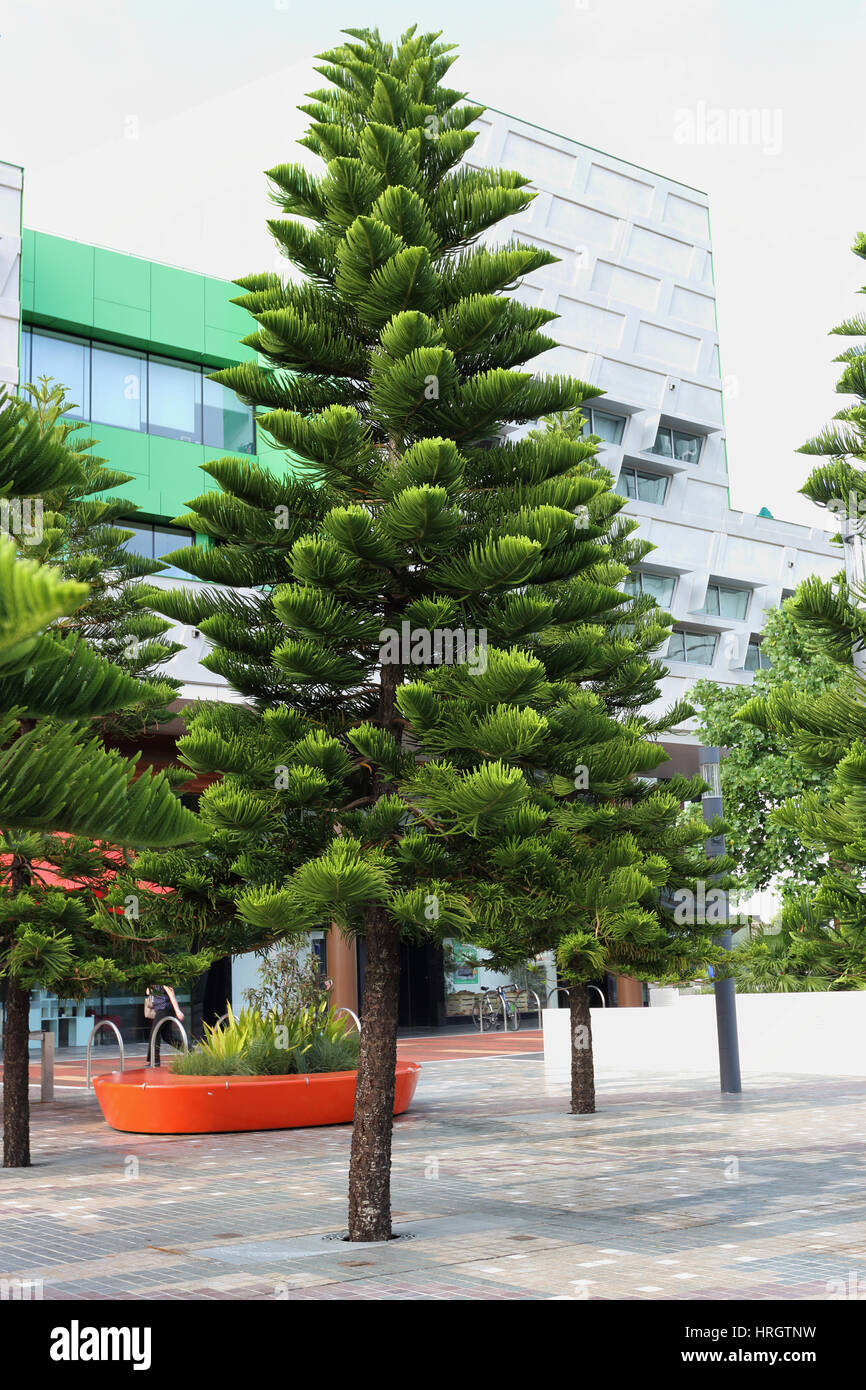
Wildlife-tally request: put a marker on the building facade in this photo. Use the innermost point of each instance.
(133, 341)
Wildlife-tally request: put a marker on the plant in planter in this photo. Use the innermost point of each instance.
(255, 1044)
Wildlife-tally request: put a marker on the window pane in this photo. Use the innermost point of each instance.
(658, 586)
(174, 400)
(676, 647)
(733, 603)
(632, 585)
(700, 648)
(625, 483)
(711, 602)
(228, 423)
(607, 427)
(166, 539)
(119, 388)
(651, 488)
(67, 362)
(663, 444)
(687, 447)
(24, 373)
(141, 541)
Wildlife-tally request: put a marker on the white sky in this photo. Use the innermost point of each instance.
(147, 126)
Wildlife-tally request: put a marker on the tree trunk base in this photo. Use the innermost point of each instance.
(16, 1078)
(370, 1164)
(582, 1064)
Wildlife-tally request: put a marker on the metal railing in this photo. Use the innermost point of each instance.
(46, 1076)
(169, 1018)
(103, 1023)
(352, 1015)
(537, 1003)
(561, 989)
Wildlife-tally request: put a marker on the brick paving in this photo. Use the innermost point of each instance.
(669, 1192)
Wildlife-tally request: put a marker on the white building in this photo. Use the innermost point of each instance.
(637, 317)
(10, 274)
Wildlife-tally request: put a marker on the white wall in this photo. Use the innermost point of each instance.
(814, 1034)
(10, 273)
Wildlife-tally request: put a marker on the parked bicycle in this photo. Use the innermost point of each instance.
(493, 1009)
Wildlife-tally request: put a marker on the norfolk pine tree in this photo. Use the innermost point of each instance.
(827, 733)
(420, 793)
(55, 775)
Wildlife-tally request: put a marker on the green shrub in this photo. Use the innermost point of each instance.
(252, 1044)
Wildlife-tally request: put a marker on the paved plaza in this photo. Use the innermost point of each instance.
(669, 1192)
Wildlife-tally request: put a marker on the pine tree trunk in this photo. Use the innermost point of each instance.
(16, 1077)
(582, 1067)
(370, 1164)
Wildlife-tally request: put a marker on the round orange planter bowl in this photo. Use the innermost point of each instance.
(151, 1100)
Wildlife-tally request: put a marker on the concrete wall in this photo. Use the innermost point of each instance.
(635, 296)
(10, 273)
(814, 1034)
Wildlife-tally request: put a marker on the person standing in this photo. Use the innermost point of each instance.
(160, 1002)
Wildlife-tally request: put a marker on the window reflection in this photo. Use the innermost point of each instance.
(67, 362)
(152, 542)
(119, 387)
(699, 648)
(174, 400)
(228, 423)
(642, 487)
(724, 602)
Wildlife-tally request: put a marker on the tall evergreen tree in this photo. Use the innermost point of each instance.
(827, 732)
(416, 604)
(56, 775)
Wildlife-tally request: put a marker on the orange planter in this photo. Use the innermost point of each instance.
(151, 1100)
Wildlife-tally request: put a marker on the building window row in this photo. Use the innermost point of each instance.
(154, 541)
(133, 390)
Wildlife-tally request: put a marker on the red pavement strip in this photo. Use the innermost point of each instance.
(69, 1074)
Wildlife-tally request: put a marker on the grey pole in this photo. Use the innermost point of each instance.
(709, 760)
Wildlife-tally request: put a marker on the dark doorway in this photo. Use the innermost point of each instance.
(210, 995)
(422, 984)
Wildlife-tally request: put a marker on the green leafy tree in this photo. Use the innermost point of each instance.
(760, 771)
(56, 776)
(826, 732)
(415, 610)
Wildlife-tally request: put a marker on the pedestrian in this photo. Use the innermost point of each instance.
(160, 1002)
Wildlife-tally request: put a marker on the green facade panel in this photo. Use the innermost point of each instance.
(96, 293)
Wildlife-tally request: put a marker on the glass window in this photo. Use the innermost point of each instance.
(155, 541)
(756, 659)
(699, 648)
(119, 388)
(166, 539)
(686, 448)
(723, 602)
(642, 487)
(608, 427)
(657, 586)
(228, 423)
(174, 400)
(24, 373)
(67, 362)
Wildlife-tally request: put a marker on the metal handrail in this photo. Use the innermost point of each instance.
(562, 989)
(352, 1015)
(169, 1018)
(103, 1023)
(537, 1003)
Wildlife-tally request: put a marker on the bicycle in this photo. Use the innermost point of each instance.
(487, 1015)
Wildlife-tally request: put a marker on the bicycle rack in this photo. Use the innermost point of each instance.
(223, 1018)
(352, 1015)
(169, 1018)
(103, 1023)
(600, 995)
(560, 989)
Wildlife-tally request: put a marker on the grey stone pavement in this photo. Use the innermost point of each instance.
(669, 1191)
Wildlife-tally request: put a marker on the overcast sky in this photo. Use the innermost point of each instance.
(146, 127)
